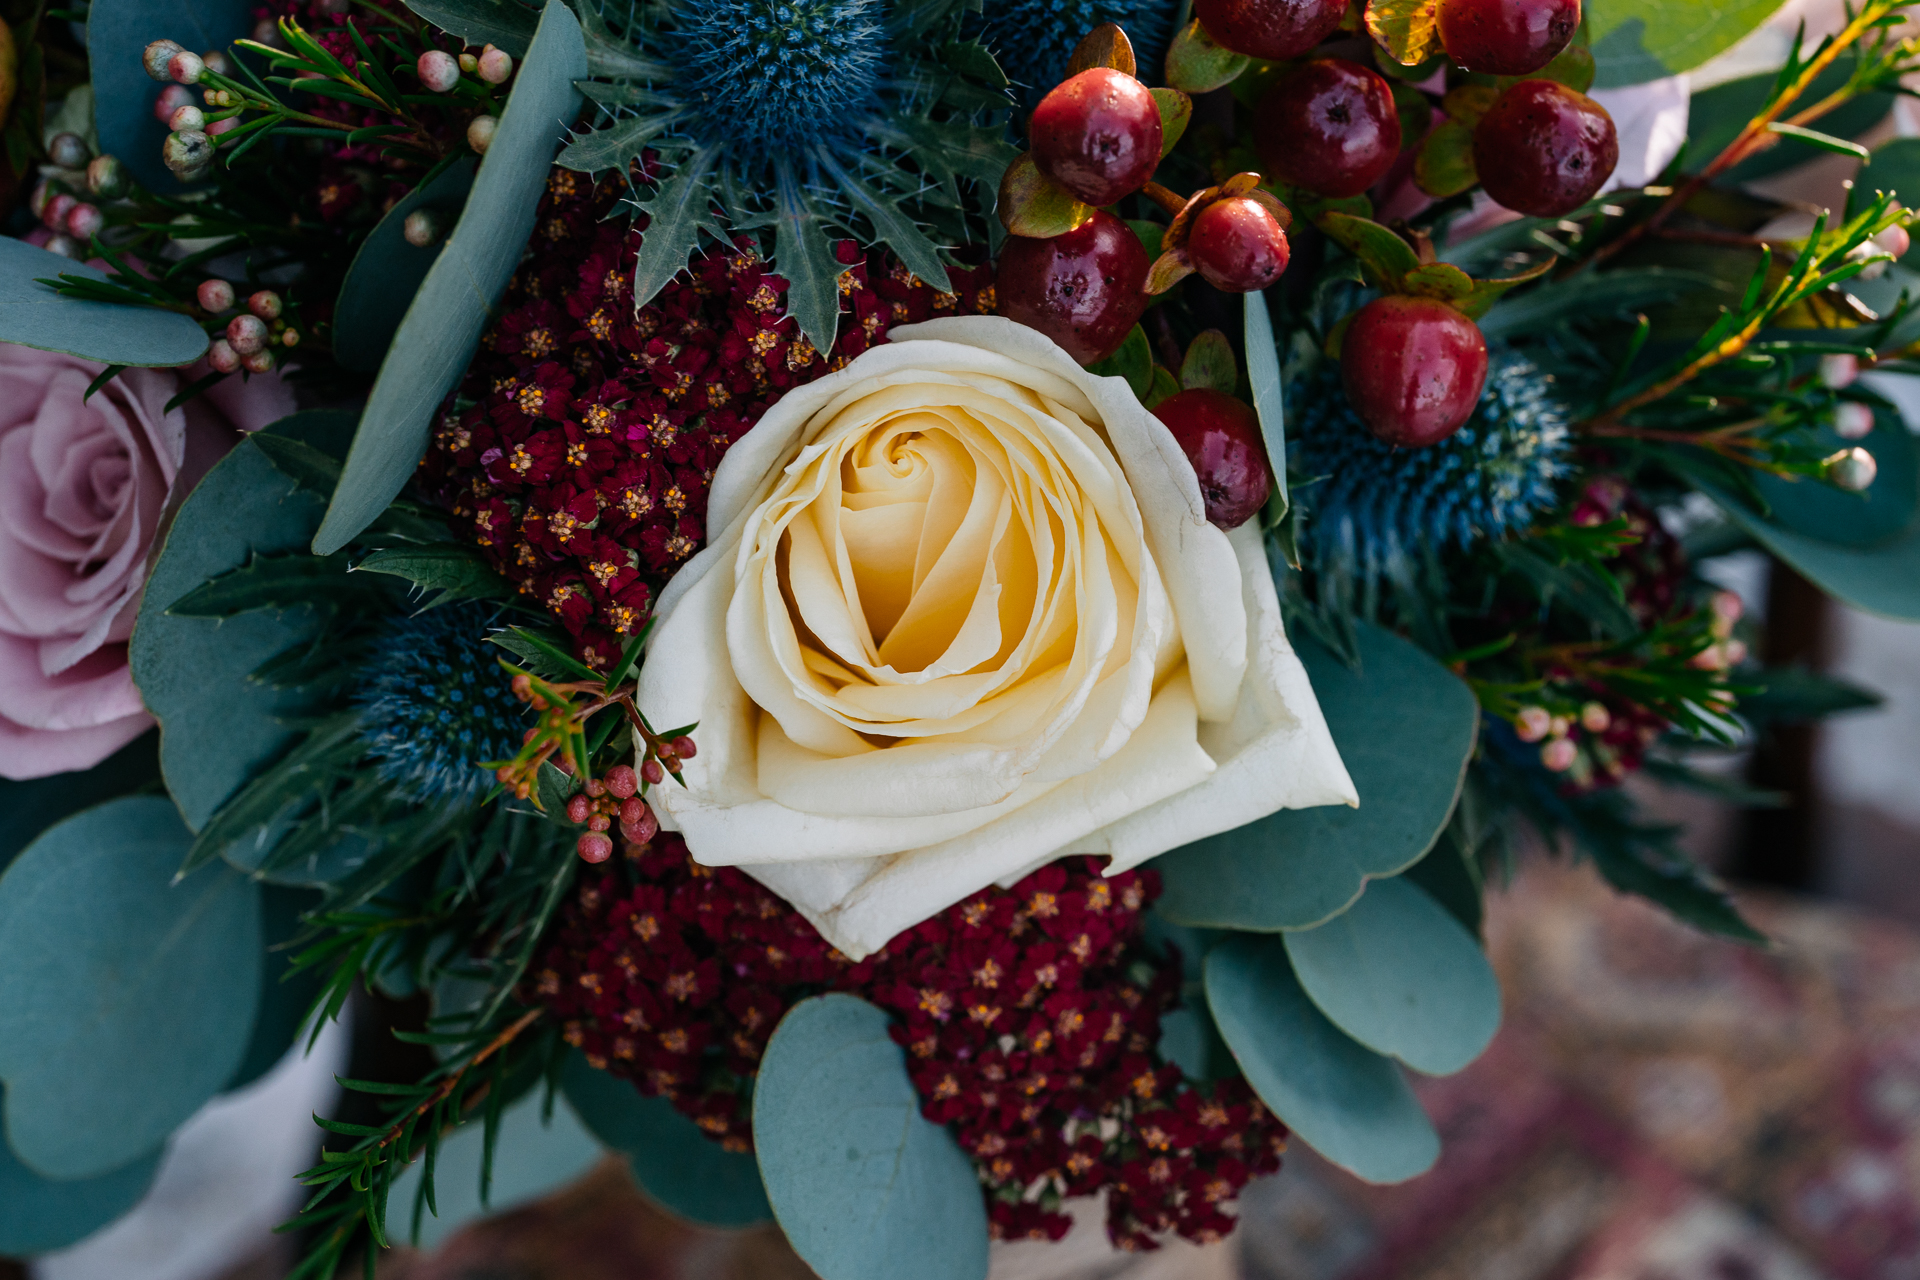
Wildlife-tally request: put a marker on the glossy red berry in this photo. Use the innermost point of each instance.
(1543, 149)
(1237, 245)
(1506, 37)
(1085, 289)
(1221, 438)
(1413, 369)
(1098, 135)
(1328, 125)
(1271, 29)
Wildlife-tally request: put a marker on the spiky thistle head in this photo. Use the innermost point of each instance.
(1491, 478)
(435, 704)
(1032, 39)
(776, 76)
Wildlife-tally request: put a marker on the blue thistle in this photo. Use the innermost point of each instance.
(775, 77)
(1032, 39)
(435, 704)
(1491, 478)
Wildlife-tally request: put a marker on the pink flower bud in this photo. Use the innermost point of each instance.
(172, 98)
(214, 295)
(632, 810)
(265, 304)
(106, 177)
(652, 772)
(621, 782)
(68, 150)
(84, 222)
(64, 245)
(1895, 241)
(496, 65)
(1532, 724)
(642, 830)
(218, 127)
(1852, 420)
(54, 212)
(157, 55)
(1559, 754)
(599, 822)
(594, 846)
(291, 338)
(480, 133)
(188, 117)
(248, 334)
(1728, 606)
(1852, 469)
(1838, 369)
(438, 71)
(222, 356)
(1595, 718)
(185, 68)
(683, 747)
(579, 808)
(216, 62)
(258, 362)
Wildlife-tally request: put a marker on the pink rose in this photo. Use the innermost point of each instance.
(84, 489)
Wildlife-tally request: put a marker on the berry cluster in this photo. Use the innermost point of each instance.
(1029, 1016)
(578, 452)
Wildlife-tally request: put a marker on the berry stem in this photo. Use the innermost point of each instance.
(1164, 197)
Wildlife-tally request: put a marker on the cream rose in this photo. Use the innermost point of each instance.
(961, 613)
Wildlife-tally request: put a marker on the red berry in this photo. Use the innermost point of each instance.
(621, 782)
(594, 846)
(1271, 29)
(641, 829)
(652, 772)
(632, 810)
(1221, 437)
(579, 808)
(1097, 134)
(1506, 37)
(1237, 245)
(1543, 149)
(1085, 289)
(1413, 369)
(1330, 126)
(683, 747)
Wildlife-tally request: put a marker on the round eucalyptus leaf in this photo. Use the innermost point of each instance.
(387, 270)
(124, 95)
(442, 325)
(285, 996)
(129, 999)
(1399, 974)
(34, 315)
(864, 1186)
(1878, 515)
(532, 1156)
(1405, 727)
(218, 727)
(1345, 1101)
(29, 807)
(38, 1215)
(674, 1163)
(1639, 40)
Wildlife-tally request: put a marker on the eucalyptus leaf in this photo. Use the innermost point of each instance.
(1400, 975)
(1634, 41)
(124, 94)
(217, 726)
(532, 1156)
(1884, 511)
(1269, 399)
(672, 1160)
(864, 1187)
(285, 996)
(1405, 727)
(443, 325)
(34, 315)
(387, 270)
(1348, 1103)
(129, 999)
(504, 23)
(29, 806)
(38, 1215)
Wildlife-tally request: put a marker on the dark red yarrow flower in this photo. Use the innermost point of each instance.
(1030, 1017)
(578, 452)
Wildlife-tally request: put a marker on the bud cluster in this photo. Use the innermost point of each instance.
(68, 200)
(250, 336)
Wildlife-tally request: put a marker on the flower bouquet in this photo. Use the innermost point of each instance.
(899, 611)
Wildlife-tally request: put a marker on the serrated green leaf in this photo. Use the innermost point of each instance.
(269, 582)
(675, 215)
(891, 227)
(803, 253)
(449, 571)
(616, 146)
(503, 23)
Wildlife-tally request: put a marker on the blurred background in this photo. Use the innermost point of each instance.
(1658, 1106)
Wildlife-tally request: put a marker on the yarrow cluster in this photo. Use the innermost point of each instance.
(1492, 477)
(578, 452)
(434, 703)
(1030, 1017)
(775, 77)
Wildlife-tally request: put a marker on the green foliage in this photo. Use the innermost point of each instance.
(168, 974)
(442, 572)
(33, 314)
(29, 807)
(1638, 40)
(1405, 727)
(38, 1215)
(442, 325)
(1795, 695)
(672, 1160)
(1880, 514)
(1400, 975)
(1263, 374)
(1345, 1101)
(864, 1187)
(388, 271)
(505, 23)
(124, 95)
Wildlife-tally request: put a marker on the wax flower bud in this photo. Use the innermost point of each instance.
(1532, 723)
(106, 177)
(185, 68)
(1838, 369)
(437, 70)
(422, 228)
(222, 356)
(64, 245)
(265, 304)
(495, 65)
(1852, 420)
(68, 150)
(248, 334)
(214, 295)
(594, 846)
(480, 132)
(1852, 469)
(216, 62)
(156, 57)
(187, 154)
(171, 99)
(469, 63)
(258, 362)
(84, 221)
(1559, 755)
(1595, 718)
(187, 119)
(54, 212)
